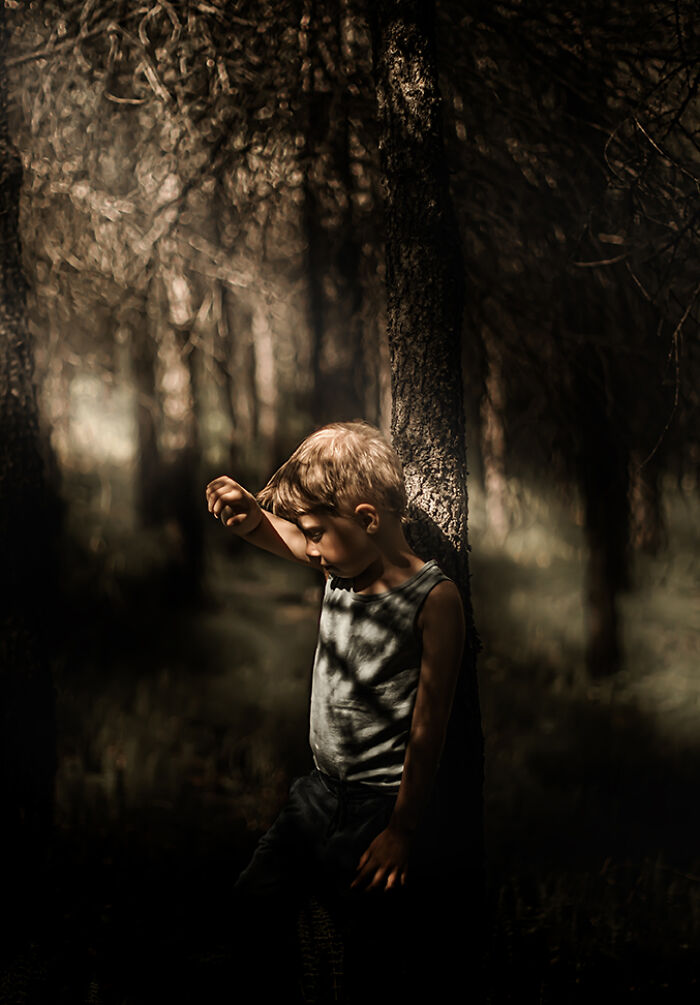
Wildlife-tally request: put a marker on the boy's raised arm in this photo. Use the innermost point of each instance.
(238, 509)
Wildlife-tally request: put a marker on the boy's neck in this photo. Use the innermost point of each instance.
(395, 562)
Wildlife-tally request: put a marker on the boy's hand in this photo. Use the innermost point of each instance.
(234, 505)
(384, 865)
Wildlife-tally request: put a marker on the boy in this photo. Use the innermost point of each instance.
(390, 642)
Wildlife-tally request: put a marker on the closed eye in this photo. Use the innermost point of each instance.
(313, 534)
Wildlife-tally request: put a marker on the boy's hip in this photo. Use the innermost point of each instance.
(318, 836)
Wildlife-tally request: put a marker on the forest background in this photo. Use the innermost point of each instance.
(203, 239)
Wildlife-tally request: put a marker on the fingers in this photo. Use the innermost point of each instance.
(221, 482)
(219, 503)
(233, 520)
(365, 869)
(373, 876)
(225, 492)
(381, 867)
(379, 879)
(359, 879)
(218, 483)
(394, 879)
(368, 878)
(220, 498)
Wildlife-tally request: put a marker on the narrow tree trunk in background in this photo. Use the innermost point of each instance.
(222, 357)
(232, 351)
(602, 462)
(601, 440)
(149, 461)
(186, 500)
(314, 265)
(315, 255)
(493, 442)
(648, 528)
(425, 289)
(265, 385)
(334, 291)
(27, 727)
(347, 252)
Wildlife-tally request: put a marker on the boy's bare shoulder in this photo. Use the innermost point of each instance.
(442, 606)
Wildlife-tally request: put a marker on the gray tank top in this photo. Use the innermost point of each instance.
(365, 678)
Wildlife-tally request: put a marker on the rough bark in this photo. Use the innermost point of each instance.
(27, 731)
(425, 290)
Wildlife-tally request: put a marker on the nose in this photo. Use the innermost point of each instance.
(312, 550)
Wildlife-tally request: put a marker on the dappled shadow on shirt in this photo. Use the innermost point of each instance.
(366, 673)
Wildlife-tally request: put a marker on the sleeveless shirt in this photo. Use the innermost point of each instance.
(365, 678)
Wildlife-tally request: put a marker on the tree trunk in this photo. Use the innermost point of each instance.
(184, 475)
(598, 393)
(266, 387)
(493, 442)
(332, 253)
(149, 462)
(27, 729)
(648, 527)
(602, 462)
(425, 291)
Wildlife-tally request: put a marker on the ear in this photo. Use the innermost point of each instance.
(368, 516)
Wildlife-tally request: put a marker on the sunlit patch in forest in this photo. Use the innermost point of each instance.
(528, 576)
(102, 421)
(662, 628)
(528, 592)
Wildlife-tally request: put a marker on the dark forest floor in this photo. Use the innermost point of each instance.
(181, 728)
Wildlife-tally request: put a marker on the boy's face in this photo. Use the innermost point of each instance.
(339, 544)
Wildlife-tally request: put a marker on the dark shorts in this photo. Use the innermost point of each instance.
(399, 939)
(317, 840)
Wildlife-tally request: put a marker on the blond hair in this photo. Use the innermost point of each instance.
(334, 469)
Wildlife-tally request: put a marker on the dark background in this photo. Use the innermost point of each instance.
(201, 220)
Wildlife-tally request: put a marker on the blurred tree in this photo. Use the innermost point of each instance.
(143, 369)
(27, 731)
(572, 139)
(230, 151)
(330, 229)
(493, 440)
(425, 290)
(210, 145)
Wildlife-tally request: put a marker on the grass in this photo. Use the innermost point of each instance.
(592, 824)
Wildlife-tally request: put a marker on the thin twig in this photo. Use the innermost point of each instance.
(58, 49)
(638, 283)
(602, 261)
(669, 160)
(124, 101)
